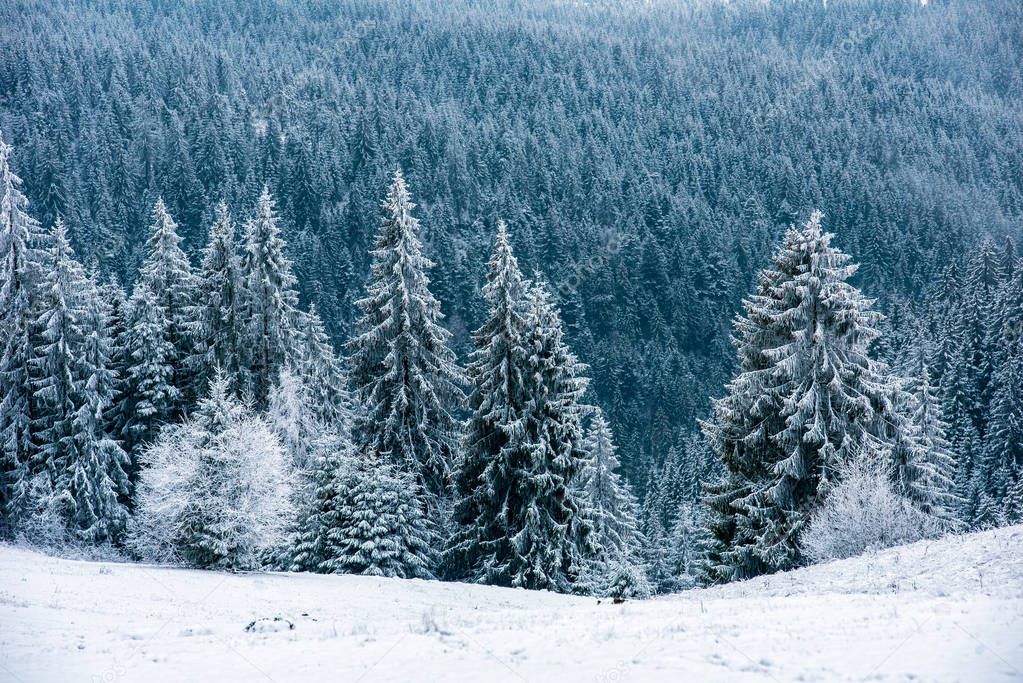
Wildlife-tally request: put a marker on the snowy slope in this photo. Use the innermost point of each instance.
(948, 610)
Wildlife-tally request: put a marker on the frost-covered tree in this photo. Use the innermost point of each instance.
(323, 373)
(608, 504)
(94, 476)
(292, 416)
(115, 303)
(18, 232)
(56, 358)
(929, 479)
(149, 397)
(270, 302)
(498, 372)
(404, 373)
(863, 511)
(517, 516)
(215, 490)
(807, 399)
(365, 517)
(687, 545)
(167, 274)
(1003, 449)
(219, 327)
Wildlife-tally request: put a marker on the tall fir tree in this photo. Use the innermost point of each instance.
(59, 333)
(95, 476)
(807, 398)
(324, 374)
(518, 521)
(608, 505)
(159, 380)
(292, 416)
(167, 274)
(270, 302)
(219, 329)
(18, 232)
(149, 398)
(930, 480)
(407, 382)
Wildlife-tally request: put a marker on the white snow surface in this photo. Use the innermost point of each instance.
(948, 610)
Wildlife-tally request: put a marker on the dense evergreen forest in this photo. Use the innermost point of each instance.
(646, 157)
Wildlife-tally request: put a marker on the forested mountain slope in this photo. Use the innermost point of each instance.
(645, 156)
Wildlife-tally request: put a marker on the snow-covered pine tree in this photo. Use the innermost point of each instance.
(498, 372)
(324, 374)
(215, 490)
(969, 388)
(18, 232)
(673, 517)
(687, 545)
(270, 302)
(929, 480)
(518, 519)
(292, 416)
(149, 398)
(95, 477)
(807, 398)
(167, 274)
(1002, 459)
(219, 329)
(115, 303)
(1003, 448)
(366, 517)
(403, 372)
(608, 505)
(59, 334)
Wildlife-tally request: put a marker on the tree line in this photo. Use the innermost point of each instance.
(207, 419)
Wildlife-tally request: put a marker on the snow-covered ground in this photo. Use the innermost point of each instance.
(948, 610)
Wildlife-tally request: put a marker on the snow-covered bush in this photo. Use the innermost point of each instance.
(214, 490)
(627, 580)
(864, 512)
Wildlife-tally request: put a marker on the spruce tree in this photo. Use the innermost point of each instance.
(95, 477)
(55, 362)
(18, 232)
(323, 373)
(807, 399)
(366, 517)
(518, 519)
(149, 397)
(167, 274)
(292, 416)
(929, 479)
(498, 373)
(115, 303)
(607, 503)
(270, 302)
(219, 329)
(404, 373)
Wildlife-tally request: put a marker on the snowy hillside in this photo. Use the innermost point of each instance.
(948, 610)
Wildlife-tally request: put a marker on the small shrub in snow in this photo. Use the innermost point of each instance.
(628, 580)
(214, 490)
(863, 512)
